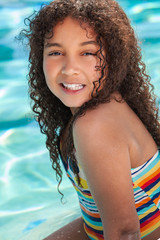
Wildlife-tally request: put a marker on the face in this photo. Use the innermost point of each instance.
(69, 62)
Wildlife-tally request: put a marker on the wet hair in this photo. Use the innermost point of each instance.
(126, 72)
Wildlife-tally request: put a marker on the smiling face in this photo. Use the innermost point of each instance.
(69, 62)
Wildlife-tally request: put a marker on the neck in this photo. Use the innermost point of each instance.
(73, 110)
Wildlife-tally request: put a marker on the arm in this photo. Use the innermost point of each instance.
(104, 157)
(131, 236)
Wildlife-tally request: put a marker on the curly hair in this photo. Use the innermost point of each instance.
(126, 71)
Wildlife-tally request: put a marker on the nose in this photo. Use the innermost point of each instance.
(70, 67)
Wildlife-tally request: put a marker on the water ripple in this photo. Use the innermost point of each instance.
(27, 182)
(10, 213)
(140, 8)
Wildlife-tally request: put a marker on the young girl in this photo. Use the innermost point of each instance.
(94, 102)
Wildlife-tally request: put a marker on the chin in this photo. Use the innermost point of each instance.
(73, 105)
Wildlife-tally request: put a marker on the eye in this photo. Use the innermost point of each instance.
(89, 54)
(56, 53)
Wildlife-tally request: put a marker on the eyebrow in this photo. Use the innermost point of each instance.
(47, 45)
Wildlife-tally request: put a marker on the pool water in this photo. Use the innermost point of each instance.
(30, 206)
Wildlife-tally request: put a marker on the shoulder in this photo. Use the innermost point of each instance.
(106, 121)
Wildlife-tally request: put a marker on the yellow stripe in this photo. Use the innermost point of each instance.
(147, 174)
(151, 229)
(152, 209)
(157, 186)
(93, 226)
(149, 178)
(94, 237)
(83, 194)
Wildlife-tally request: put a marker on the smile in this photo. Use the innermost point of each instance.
(73, 86)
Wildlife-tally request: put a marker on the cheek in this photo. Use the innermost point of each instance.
(91, 70)
(97, 74)
(46, 68)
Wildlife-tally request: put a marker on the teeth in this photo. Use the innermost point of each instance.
(73, 86)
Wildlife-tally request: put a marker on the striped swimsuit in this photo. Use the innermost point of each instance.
(146, 186)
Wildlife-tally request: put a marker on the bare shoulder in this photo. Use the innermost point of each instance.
(116, 124)
(107, 119)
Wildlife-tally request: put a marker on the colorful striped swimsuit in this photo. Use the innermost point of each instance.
(146, 186)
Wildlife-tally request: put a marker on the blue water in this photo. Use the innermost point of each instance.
(30, 206)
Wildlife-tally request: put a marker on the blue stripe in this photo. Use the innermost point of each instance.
(89, 207)
(92, 220)
(156, 196)
(72, 181)
(148, 216)
(151, 185)
(137, 200)
(87, 201)
(144, 170)
(91, 237)
(146, 205)
(94, 230)
(132, 169)
(86, 198)
(138, 192)
(86, 192)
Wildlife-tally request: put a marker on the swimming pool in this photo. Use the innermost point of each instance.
(30, 206)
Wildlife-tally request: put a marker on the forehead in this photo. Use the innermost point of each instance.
(70, 26)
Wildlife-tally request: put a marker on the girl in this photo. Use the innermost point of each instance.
(94, 102)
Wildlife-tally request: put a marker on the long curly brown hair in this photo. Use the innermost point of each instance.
(126, 71)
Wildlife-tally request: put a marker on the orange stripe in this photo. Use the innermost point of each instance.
(156, 200)
(150, 230)
(96, 215)
(148, 178)
(151, 224)
(143, 201)
(93, 234)
(147, 199)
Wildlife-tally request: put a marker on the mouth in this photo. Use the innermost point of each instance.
(73, 86)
